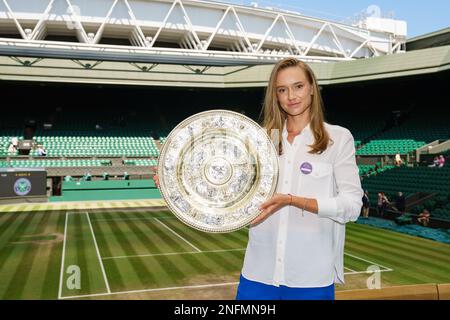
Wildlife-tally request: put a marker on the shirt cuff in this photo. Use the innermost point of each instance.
(327, 207)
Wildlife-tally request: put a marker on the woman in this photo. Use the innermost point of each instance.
(296, 244)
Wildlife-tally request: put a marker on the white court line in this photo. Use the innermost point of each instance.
(174, 253)
(373, 271)
(179, 236)
(62, 258)
(351, 270)
(193, 252)
(98, 254)
(154, 290)
(371, 262)
(127, 219)
(177, 288)
(222, 250)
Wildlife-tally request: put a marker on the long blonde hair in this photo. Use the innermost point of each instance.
(274, 116)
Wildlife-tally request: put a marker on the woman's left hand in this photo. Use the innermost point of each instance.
(275, 203)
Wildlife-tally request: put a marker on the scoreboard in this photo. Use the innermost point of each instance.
(22, 182)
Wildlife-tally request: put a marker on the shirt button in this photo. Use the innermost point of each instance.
(285, 181)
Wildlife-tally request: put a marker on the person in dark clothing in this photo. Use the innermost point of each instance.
(400, 202)
(382, 204)
(366, 204)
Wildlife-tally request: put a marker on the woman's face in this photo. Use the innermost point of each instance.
(294, 92)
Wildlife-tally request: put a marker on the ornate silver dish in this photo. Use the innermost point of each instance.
(215, 169)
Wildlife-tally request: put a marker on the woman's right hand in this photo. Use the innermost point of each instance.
(156, 179)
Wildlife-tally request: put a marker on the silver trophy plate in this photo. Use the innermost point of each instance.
(215, 169)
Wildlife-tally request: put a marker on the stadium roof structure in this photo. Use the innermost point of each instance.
(433, 39)
(17, 68)
(185, 31)
(202, 43)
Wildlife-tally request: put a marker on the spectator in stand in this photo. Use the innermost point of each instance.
(441, 161)
(435, 162)
(382, 204)
(15, 142)
(424, 218)
(41, 151)
(375, 169)
(400, 202)
(398, 160)
(366, 204)
(12, 148)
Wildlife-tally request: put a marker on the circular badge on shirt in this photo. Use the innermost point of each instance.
(306, 168)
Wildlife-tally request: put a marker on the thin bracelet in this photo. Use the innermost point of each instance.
(290, 201)
(304, 206)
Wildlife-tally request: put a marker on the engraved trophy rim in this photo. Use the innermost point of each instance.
(164, 151)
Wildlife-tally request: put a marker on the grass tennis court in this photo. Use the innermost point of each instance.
(138, 253)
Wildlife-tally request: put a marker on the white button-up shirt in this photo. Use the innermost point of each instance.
(308, 251)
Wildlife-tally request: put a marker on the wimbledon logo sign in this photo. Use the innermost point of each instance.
(22, 187)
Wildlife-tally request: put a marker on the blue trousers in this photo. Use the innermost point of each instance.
(252, 290)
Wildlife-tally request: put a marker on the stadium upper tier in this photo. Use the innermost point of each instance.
(73, 144)
(76, 135)
(187, 31)
(358, 125)
(418, 130)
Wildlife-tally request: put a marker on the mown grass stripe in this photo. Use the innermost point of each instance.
(143, 274)
(81, 252)
(223, 260)
(4, 216)
(133, 237)
(355, 264)
(184, 267)
(218, 261)
(430, 251)
(397, 276)
(192, 266)
(4, 209)
(164, 238)
(51, 277)
(163, 267)
(114, 277)
(239, 237)
(34, 286)
(422, 243)
(120, 276)
(177, 266)
(202, 240)
(81, 244)
(25, 267)
(400, 263)
(19, 208)
(402, 250)
(6, 227)
(11, 254)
